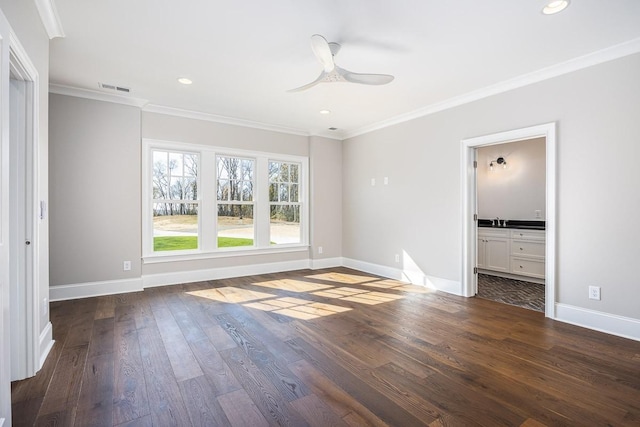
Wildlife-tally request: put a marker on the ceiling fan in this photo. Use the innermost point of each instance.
(326, 52)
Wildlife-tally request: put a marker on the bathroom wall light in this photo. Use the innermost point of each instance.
(500, 161)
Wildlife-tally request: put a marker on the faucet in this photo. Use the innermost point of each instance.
(496, 222)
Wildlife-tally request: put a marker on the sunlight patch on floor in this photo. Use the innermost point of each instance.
(399, 286)
(297, 308)
(231, 294)
(359, 295)
(339, 292)
(292, 285)
(343, 278)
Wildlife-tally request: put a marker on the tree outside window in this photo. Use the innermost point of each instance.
(175, 200)
(284, 201)
(235, 201)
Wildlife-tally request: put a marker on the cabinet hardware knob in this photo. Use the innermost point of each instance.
(521, 249)
(28, 242)
(521, 267)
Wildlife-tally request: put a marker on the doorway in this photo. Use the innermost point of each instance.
(510, 182)
(470, 203)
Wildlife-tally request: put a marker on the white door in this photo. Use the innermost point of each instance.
(21, 231)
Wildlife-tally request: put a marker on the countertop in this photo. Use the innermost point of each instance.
(514, 223)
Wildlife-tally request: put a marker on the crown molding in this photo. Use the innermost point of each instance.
(50, 19)
(96, 95)
(598, 57)
(189, 114)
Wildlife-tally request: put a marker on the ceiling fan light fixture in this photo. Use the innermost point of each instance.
(555, 6)
(185, 81)
(325, 112)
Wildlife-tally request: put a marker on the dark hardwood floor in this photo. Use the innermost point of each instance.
(323, 348)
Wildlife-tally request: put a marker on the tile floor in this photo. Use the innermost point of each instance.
(514, 292)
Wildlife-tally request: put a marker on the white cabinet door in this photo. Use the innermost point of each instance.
(497, 254)
(481, 263)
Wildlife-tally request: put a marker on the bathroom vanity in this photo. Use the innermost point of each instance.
(516, 250)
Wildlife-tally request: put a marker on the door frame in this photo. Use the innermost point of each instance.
(26, 322)
(28, 328)
(469, 283)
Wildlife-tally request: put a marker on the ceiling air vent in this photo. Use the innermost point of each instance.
(114, 88)
(333, 128)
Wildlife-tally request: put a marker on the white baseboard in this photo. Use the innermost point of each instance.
(152, 280)
(413, 276)
(317, 264)
(46, 343)
(94, 289)
(621, 326)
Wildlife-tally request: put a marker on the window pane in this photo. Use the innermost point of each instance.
(284, 172)
(247, 170)
(223, 189)
(160, 175)
(221, 167)
(293, 195)
(191, 188)
(273, 192)
(293, 169)
(274, 171)
(191, 165)
(284, 192)
(234, 188)
(285, 224)
(175, 164)
(177, 188)
(247, 191)
(235, 225)
(175, 226)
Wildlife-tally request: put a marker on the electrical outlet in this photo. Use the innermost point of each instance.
(594, 292)
(320, 249)
(386, 180)
(373, 182)
(397, 258)
(126, 266)
(538, 213)
(45, 306)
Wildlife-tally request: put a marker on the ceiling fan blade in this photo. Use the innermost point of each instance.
(310, 85)
(366, 79)
(320, 47)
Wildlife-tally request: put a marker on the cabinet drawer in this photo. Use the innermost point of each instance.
(493, 232)
(528, 234)
(527, 267)
(527, 247)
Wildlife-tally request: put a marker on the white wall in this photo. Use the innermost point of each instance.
(95, 165)
(598, 146)
(517, 191)
(326, 197)
(95, 190)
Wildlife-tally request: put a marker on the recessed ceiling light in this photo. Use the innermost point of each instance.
(325, 112)
(185, 81)
(555, 6)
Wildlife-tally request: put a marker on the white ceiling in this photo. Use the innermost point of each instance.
(243, 56)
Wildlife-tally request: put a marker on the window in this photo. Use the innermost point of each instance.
(202, 201)
(284, 202)
(175, 201)
(235, 183)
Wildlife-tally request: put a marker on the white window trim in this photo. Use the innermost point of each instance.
(207, 201)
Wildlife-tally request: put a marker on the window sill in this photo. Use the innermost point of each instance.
(228, 253)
